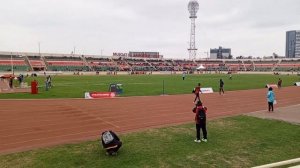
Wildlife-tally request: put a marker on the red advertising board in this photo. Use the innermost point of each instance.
(97, 95)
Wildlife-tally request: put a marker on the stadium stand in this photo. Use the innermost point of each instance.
(36, 63)
(102, 64)
(288, 65)
(17, 62)
(139, 64)
(66, 63)
(161, 65)
(71, 62)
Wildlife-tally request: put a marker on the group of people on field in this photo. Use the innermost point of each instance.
(200, 112)
(112, 143)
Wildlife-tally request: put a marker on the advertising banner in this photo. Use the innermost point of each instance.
(206, 90)
(97, 95)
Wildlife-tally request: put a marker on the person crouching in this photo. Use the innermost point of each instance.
(200, 119)
(110, 142)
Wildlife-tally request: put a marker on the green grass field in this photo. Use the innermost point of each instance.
(141, 85)
(233, 142)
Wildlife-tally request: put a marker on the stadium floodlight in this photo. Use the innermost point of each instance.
(193, 8)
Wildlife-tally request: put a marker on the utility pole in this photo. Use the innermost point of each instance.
(39, 48)
(12, 65)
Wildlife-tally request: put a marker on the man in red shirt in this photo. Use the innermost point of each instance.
(200, 120)
(197, 91)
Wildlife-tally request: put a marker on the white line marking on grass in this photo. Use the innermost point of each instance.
(287, 162)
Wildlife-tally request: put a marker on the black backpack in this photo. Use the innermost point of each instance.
(202, 114)
(107, 137)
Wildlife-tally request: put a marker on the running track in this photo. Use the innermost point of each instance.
(31, 124)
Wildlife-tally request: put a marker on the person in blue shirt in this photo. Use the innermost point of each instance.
(271, 99)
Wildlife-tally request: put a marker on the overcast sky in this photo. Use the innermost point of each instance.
(248, 27)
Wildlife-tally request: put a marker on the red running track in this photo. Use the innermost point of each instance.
(31, 124)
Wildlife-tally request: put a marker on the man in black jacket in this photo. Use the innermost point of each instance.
(221, 90)
(110, 142)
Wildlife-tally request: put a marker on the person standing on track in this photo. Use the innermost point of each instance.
(200, 119)
(197, 91)
(221, 90)
(271, 99)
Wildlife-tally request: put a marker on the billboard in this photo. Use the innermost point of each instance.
(144, 54)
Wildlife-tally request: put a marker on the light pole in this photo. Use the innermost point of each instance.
(12, 65)
(39, 48)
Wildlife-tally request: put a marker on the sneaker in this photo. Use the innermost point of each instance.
(204, 140)
(198, 141)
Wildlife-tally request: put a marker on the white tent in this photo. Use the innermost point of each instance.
(200, 67)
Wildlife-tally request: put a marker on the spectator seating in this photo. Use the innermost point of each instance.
(65, 64)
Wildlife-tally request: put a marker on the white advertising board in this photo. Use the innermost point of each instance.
(206, 90)
(271, 85)
(297, 84)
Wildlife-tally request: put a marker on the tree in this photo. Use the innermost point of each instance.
(275, 55)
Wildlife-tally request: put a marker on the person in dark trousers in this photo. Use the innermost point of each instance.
(197, 91)
(279, 83)
(271, 99)
(200, 119)
(11, 82)
(221, 90)
(46, 85)
(110, 142)
(183, 75)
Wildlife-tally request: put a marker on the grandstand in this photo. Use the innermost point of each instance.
(71, 62)
(15, 62)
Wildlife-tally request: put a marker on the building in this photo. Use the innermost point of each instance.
(220, 53)
(292, 49)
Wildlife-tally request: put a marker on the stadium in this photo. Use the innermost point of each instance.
(53, 117)
(55, 109)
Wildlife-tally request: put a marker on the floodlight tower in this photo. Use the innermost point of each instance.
(193, 8)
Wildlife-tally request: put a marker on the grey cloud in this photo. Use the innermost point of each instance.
(158, 25)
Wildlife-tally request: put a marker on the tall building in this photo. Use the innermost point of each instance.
(220, 53)
(292, 49)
